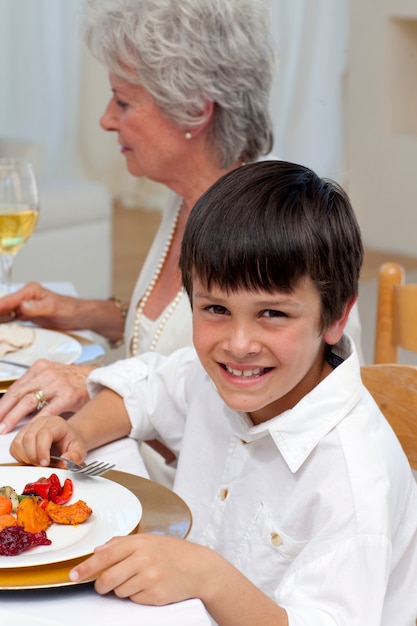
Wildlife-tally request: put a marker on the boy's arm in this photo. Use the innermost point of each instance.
(102, 420)
(157, 570)
(232, 600)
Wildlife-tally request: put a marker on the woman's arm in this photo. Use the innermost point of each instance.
(51, 310)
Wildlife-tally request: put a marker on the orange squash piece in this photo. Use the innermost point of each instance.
(7, 520)
(72, 514)
(31, 516)
(5, 505)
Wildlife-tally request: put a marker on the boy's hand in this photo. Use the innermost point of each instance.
(33, 443)
(148, 569)
(155, 570)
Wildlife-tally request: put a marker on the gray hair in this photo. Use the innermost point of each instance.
(187, 53)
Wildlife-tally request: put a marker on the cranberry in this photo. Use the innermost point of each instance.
(15, 540)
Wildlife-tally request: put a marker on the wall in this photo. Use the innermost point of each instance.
(381, 129)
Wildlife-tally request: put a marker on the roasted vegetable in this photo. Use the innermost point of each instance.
(51, 489)
(9, 492)
(31, 516)
(5, 505)
(7, 520)
(73, 514)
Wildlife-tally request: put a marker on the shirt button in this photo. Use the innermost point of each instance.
(224, 493)
(276, 540)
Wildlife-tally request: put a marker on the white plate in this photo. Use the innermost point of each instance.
(116, 511)
(47, 344)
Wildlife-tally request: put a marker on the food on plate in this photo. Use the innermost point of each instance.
(73, 514)
(10, 493)
(15, 540)
(51, 489)
(14, 337)
(6, 505)
(7, 520)
(31, 516)
(41, 504)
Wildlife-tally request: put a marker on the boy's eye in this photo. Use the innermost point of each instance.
(217, 309)
(274, 313)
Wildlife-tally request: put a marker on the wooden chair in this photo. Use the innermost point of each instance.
(394, 388)
(396, 317)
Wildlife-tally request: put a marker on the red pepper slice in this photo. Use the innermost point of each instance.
(66, 492)
(41, 488)
(50, 489)
(54, 480)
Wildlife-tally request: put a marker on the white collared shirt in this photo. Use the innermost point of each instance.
(318, 506)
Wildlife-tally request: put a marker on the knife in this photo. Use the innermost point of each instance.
(7, 362)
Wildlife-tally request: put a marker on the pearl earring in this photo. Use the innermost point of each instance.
(188, 135)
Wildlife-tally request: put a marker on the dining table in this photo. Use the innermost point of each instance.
(44, 595)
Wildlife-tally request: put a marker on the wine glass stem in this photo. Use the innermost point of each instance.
(6, 272)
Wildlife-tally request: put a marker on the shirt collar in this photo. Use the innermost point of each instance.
(298, 431)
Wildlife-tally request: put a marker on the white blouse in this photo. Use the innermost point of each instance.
(177, 332)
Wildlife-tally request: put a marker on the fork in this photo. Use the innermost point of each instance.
(95, 468)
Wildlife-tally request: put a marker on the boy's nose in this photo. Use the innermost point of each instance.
(242, 341)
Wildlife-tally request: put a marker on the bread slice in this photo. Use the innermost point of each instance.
(14, 337)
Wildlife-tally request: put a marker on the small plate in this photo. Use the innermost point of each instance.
(116, 511)
(48, 344)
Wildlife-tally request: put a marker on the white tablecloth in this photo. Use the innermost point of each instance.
(80, 604)
(82, 607)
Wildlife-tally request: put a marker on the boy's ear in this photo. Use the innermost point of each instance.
(334, 332)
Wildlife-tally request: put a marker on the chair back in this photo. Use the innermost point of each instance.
(396, 316)
(394, 388)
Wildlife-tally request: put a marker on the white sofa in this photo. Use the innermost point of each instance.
(72, 241)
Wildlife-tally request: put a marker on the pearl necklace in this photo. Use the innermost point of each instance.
(134, 342)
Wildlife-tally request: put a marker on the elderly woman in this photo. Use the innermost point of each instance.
(190, 83)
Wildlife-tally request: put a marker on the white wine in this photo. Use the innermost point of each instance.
(16, 226)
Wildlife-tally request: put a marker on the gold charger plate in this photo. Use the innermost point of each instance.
(164, 513)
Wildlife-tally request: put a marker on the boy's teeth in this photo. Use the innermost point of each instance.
(247, 373)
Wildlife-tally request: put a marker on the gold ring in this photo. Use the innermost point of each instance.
(41, 398)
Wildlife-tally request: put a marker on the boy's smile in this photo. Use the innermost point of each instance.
(263, 351)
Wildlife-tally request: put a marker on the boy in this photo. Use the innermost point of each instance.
(304, 506)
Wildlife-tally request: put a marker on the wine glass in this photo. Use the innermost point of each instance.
(19, 212)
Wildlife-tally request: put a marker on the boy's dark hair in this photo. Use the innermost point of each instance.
(266, 226)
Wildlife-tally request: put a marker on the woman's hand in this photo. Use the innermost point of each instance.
(39, 305)
(64, 388)
(34, 303)
(35, 441)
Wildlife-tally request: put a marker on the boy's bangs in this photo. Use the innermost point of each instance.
(252, 264)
